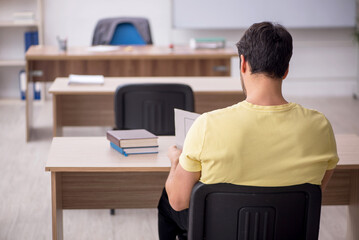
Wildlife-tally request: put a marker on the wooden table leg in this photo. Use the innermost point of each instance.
(28, 103)
(56, 192)
(56, 106)
(353, 208)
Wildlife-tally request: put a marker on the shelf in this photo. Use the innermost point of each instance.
(18, 24)
(12, 63)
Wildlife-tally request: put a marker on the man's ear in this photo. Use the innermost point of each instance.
(286, 73)
(243, 64)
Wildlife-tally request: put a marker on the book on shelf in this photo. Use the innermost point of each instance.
(23, 86)
(134, 150)
(132, 138)
(31, 38)
(23, 17)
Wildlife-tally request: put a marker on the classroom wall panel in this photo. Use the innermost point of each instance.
(324, 59)
(233, 14)
(320, 55)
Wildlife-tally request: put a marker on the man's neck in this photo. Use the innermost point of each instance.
(262, 90)
(266, 101)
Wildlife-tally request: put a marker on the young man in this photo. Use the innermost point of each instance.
(262, 141)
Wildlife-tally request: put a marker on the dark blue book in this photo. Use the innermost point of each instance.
(31, 38)
(28, 40)
(35, 38)
(134, 150)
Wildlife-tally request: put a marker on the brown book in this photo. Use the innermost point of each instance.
(132, 138)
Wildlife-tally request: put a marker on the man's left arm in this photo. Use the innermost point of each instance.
(180, 182)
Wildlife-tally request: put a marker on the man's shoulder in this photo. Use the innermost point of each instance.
(309, 111)
(311, 116)
(222, 112)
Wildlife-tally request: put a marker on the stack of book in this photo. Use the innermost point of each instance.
(24, 17)
(128, 142)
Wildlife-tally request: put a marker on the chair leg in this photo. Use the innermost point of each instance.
(112, 211)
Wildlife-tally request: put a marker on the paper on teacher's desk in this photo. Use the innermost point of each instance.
(103, 48)
(183, 122)
(86, 79)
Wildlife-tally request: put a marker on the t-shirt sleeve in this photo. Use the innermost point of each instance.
(190, 159)
(333, 160)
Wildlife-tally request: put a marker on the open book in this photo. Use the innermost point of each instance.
(183, 122)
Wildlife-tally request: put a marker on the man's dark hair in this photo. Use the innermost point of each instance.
(267, 47)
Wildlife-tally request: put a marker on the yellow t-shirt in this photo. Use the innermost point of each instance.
(253, 145)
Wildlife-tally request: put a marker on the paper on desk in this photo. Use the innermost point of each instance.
(183, 122)
(103, 48)
(86, 79)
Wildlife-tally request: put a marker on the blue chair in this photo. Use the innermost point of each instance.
(126, 34)
(122, 31)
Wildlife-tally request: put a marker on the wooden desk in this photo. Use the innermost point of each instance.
(139, 61)
(87, 174)
(45, 63)
(93, 105)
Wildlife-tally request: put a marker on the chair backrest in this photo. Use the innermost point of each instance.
(126, 34)
(122, 30)
(227, 211)
(151, 106)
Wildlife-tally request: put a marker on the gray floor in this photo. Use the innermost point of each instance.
(25, 206)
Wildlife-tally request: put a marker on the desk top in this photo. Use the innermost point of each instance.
(198, 84)
(40, 52)
(94, 154)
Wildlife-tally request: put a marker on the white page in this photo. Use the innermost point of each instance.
(183, 122)
(86, 79)
(103, 48)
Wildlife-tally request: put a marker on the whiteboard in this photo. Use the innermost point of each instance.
(232, 14)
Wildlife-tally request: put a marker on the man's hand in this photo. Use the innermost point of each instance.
(174, 154)
(179, 183)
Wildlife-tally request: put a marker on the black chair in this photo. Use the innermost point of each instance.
(150, 106)
(227, 211)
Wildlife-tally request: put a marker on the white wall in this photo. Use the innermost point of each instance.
(243, 13)
(77, 19)
(324, 60)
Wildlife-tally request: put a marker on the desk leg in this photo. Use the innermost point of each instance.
(56, 192)
(56, 106)
(353, 208)
(28, 103)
